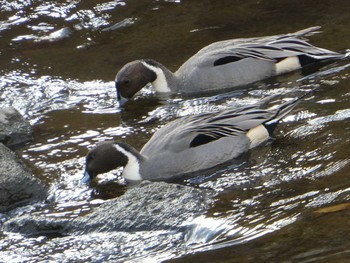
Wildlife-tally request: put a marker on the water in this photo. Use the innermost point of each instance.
(59, 60)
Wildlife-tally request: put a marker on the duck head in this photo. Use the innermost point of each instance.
(101, 159)
(132, 78)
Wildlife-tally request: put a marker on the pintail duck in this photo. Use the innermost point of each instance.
(225, 64)
(188, 144)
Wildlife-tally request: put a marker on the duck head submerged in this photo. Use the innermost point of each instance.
(132, 78)
(101, 159)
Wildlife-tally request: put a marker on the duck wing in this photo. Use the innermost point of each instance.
(274, 51)
(270, 48)
(258, 40)
(197, 130)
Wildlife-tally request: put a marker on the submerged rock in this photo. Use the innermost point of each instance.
(14, 129)
(149, 206)
(17, 185)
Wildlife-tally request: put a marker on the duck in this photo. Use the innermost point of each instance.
(188, 144)
(225, 64)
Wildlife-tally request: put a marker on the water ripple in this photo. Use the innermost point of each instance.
(46, 94)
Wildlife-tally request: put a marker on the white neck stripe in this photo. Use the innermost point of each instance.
(160, 84)
(132, 169)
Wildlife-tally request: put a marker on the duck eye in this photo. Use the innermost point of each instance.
(90, 157)
(126, 82)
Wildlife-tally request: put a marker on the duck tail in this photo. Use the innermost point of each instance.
(322, 54)
(308, 31)
(285, 109)
(281, 112)
(347, 53)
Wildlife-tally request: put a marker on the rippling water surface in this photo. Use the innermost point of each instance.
(58, 62)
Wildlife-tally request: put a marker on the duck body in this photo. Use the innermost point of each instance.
(226, 76)
(189, 144)
(192, 160)
(225, 64)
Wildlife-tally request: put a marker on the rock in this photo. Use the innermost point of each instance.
(149, 206)
(14, 129)
(17, 185)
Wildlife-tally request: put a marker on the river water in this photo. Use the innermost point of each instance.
(287, 201)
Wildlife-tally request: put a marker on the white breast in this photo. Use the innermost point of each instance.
(131, 171)
(160, 84)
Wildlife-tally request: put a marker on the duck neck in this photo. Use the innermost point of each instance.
(131, 170)
(165, 81)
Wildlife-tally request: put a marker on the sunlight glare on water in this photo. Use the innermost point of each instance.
(59, 61)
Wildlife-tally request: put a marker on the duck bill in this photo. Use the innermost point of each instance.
(121, 99)
(86, 178)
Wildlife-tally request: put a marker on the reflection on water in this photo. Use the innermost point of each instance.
(35, 96)
(58, 64)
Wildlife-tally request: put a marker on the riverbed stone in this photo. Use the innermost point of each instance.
(150, 206)
(17, 185)
(14, 129)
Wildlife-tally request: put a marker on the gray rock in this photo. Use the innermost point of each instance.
(149, 206)
(17, 185)
(14, 129)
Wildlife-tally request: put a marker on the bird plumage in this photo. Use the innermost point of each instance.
(225, 64)
(190, 143)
